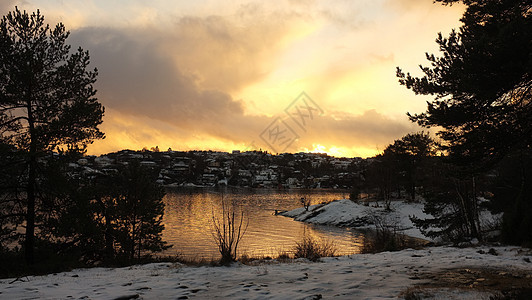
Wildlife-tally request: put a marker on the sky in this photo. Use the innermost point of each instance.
(280, 76)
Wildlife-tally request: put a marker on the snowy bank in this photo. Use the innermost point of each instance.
(348, 213)
(363, 276)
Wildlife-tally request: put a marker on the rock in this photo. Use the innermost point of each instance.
(313, 297)
(127, 297)
(493, 252)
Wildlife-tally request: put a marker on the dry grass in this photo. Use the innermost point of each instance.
(313, 250)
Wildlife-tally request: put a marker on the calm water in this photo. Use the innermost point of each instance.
(188, 221)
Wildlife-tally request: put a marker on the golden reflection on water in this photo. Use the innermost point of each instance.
(188, 222)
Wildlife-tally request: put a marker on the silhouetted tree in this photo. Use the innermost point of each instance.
(408, 155)
(46, 98)
(452, 201)
(107, 217)
(482, 83)
(514, 182)
(139, 212)
(482, 86)
(11, 194)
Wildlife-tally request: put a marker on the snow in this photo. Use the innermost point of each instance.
(348, 213)
(361, 276)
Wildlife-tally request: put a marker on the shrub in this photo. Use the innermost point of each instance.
(314, 250)
(283, 256)
(385, 237)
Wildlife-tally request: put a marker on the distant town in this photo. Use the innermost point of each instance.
(257, 169)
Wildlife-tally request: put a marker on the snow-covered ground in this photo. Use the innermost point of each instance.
(361, 276)
(348, 213)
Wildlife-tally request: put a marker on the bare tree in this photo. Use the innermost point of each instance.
(305, 201)
(227, 231)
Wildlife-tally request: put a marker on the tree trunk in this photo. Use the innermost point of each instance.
(30, 213)
(32, 177)
(109, 240)
(133, 239)
(474, 211)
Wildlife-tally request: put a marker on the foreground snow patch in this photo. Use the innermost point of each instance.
(361, 276)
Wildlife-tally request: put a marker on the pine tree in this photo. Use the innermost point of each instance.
(451, 200)
(410, 154)
(482, 84)
(47, 99)
(106, 217)
(139, 212)
(11, 191)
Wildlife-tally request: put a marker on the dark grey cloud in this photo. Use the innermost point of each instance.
(184, 75)
(135, 77)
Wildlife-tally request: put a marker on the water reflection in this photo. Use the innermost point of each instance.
(188, 221)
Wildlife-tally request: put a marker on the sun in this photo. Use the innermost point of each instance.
(318, 149)
(335, 151)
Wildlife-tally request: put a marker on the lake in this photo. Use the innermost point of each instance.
(189, 214)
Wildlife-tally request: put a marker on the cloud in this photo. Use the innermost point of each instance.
(135, 77)
(184, 75)
(9, 5)
(189, 81)
(360, 135)
(230, 53)
(138, 81)
(176, 85)
(368, 130)
(216, 53)
(406, 5)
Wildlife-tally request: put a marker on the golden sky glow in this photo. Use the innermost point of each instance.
(217, 74)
